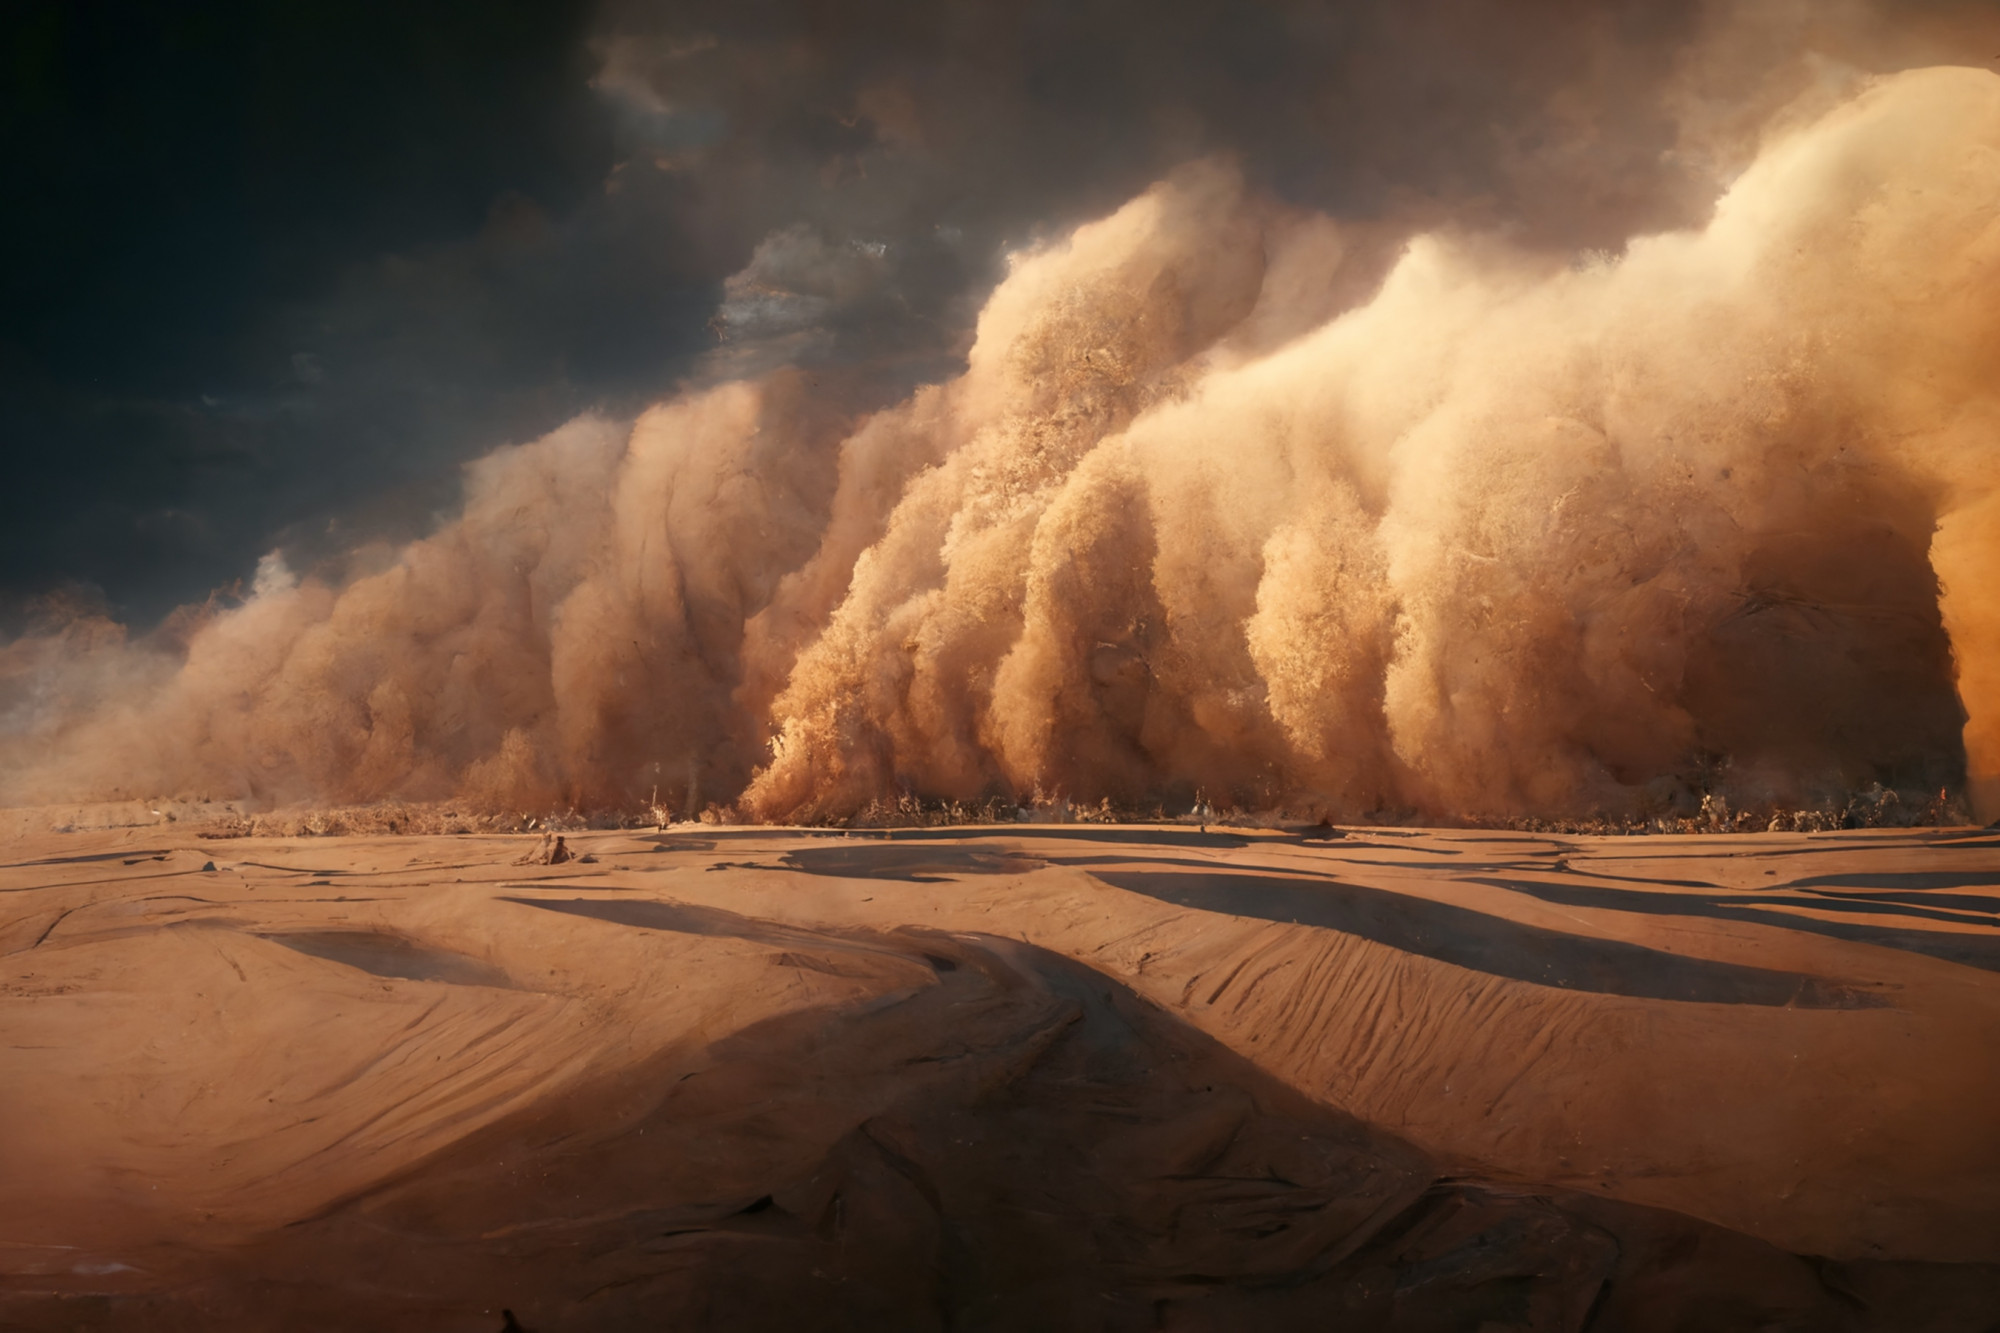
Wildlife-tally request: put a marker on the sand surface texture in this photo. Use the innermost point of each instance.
(1049, 1077)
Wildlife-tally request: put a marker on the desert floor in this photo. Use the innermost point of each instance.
(1017, 1077)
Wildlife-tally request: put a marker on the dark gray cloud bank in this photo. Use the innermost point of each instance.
(274, 272)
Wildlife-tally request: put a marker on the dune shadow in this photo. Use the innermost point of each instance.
(1958, 908)
(1974, 840)
(1980, 951)
(919, 864)
(1490, 944)
(149, 854)
(1129, 835)
(1027, 1144)
(708, 838)
(1900, 879)
(807, 947)
(384, 955)
(677, 918)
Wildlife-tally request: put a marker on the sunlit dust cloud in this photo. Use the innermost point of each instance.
(1228, 499)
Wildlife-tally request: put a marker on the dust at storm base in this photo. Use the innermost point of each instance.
(1872, 807)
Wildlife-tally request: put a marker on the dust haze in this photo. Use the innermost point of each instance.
(1232, 499)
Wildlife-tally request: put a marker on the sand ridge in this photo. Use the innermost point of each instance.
(228, 1085)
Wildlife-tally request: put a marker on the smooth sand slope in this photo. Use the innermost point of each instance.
(1080, 1076)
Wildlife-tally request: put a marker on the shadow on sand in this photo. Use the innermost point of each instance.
(1981, 951)
(1021, 1144)
(1490, 944)
(385, 955)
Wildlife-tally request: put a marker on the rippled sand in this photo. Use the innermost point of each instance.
(1076, 1076)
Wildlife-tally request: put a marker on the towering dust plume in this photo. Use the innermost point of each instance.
(1228, 498)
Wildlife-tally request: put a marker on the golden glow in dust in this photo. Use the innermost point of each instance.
(1505, 537)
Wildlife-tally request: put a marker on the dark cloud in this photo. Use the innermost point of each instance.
(935, 135)
(275, 271)
(183, 181)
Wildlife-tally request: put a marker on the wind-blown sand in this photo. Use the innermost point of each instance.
(1039, 1077)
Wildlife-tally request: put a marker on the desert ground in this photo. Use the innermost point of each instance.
(1000, 1077)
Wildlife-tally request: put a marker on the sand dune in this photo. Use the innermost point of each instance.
(1067, 1076)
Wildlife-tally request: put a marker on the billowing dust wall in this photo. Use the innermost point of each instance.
(1497, 536)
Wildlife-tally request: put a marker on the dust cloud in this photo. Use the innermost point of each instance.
(1231, 500)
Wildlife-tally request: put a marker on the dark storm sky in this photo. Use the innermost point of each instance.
(194, 185)
(274, 271)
